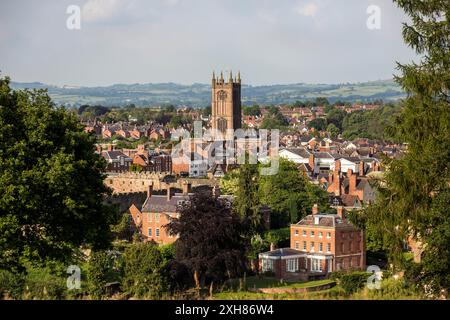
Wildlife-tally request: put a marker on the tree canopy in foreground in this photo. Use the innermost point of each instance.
(414, 198)
(51, 181)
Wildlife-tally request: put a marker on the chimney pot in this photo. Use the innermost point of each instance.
(186, 187)
(149, 190)
(341, 212)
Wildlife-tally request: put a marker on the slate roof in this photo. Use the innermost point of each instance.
(325, 220)
(323, 155)
(302, 152)
(115, 155)
(283, 252)
(160, 203)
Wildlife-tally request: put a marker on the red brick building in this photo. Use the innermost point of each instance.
(320, 243)
(157, 211)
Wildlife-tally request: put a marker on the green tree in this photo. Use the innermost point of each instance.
(289, 185)
(98, 273)
(252, 110)
(413, 196)
(51, 181)
(336, 117)
(144, 272)
(211, 238)
(229, 183)
(247, 201)
(321, 101)
(333, 130)
(320, 124)
(274, 120)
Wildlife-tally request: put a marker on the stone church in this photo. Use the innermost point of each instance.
(226, 104)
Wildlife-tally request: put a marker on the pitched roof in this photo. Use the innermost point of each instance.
(160, 203)
(324, 220)
(323, 155)
(302, 152)
(115, 155)
(282, 252)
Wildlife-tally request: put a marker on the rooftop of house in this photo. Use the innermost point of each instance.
(115, 155)
(302, 152)
(324, 220)
(161, 203)
(323, 155)
(282, 252)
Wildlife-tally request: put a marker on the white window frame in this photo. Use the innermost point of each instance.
(296, 245)
(328, 235)
(316, 265)
(292, 265)
(267, 265)
(320, 234)
(328, 247)
(304, 233)
(312, 234)
(320, 247)
(150, 232)
(157, 232)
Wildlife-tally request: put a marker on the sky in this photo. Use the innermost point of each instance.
(183, 41)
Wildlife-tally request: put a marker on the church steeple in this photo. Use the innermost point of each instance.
(231, 77)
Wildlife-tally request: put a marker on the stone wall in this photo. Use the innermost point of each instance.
(139, 182)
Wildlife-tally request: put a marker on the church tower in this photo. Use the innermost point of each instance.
(226, 103)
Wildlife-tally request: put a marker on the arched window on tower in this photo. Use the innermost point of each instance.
(222, 125)
(221, 100)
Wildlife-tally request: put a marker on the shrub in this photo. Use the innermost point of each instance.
(144, 271)
(11, 285)
(99, 273)
(353, 281)
(41, 284)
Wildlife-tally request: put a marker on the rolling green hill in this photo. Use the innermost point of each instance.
(199, 95)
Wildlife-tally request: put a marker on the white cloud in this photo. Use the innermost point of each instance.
(99, 10)
(308, 10)
(171, 3)
(267, 17)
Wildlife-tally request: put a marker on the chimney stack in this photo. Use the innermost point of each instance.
(341, 212)
(315, 209)
(186, 187)
(361, 168)
(311, 161)
(337, 183)
(149, 190)
(337, 166)
(351, 181)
